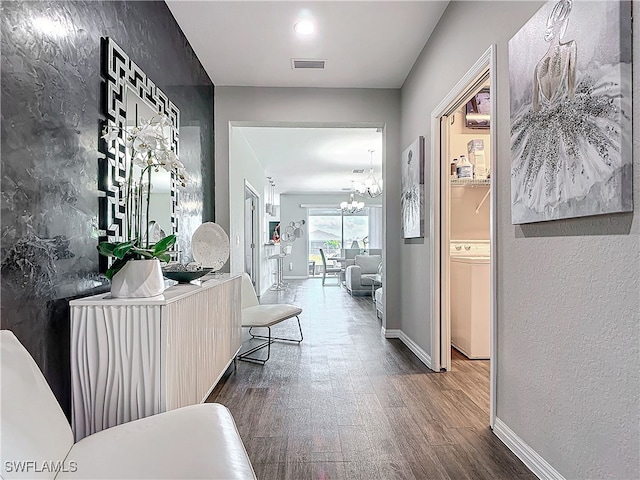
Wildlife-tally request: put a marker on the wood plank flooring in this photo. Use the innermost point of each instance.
(349, 404)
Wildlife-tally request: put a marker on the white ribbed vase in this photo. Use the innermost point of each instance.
(138, 279)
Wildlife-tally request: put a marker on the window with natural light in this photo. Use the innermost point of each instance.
(332, 230)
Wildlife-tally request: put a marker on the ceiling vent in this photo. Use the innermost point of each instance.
(358, 170)
(306, 64)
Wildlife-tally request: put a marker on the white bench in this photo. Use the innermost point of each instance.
(199, 441)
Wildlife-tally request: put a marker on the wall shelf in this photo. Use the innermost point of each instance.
(470, 182)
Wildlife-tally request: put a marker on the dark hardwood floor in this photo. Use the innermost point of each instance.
(349, 404)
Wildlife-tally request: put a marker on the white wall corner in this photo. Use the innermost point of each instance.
(538, 465)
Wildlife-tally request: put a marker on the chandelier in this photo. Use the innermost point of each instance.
(352, 206)
(371, 187)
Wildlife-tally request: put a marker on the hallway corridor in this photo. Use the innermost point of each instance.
(348, 404)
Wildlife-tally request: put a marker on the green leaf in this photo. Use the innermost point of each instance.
(122, 249)
(164, 244)
(106, 248)
(115, 267)
(164, 257)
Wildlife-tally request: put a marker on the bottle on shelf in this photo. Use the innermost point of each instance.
(454, 166)
(464, 168)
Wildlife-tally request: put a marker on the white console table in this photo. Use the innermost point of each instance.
(131, 358)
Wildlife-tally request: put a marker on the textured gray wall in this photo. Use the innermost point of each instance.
(51, 81)
(568, 290)
(334, 107)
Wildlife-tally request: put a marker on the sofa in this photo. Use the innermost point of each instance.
(361, 265)
(199, 441)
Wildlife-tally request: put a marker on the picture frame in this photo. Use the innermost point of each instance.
(570, 90)
(477, 112)
(412, 191)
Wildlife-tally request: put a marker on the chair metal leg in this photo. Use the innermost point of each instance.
(245, 356)
(269, 340)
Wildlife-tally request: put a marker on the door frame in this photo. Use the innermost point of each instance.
(255, 232)
(487, 62)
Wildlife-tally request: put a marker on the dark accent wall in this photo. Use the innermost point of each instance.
(50, 107)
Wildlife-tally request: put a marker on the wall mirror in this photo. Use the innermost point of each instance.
(129, 96)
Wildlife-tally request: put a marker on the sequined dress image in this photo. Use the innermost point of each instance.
(566, 143)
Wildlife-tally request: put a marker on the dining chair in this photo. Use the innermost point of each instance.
(350, 253)
(326, 269)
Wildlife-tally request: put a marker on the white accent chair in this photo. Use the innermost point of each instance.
(199, 441)
(362, 265)
(255, 315)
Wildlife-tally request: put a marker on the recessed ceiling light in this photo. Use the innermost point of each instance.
(304, 27)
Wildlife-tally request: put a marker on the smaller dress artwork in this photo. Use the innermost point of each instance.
(412, 200)
(568, 143)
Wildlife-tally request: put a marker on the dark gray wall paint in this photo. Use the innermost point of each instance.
(51, 84)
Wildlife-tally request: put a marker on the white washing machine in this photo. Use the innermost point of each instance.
(470, 297)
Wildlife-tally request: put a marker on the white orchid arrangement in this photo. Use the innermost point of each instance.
(150, 150)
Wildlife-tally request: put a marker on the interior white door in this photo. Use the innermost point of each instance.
(249, 237)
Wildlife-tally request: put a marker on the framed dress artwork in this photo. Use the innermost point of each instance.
(412, 199)
(570, 99)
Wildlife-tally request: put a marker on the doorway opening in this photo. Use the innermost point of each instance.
(251, 232)
(463, 228)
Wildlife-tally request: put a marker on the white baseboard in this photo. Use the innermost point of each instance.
(391, 333)
(416, 349)
(413, 346)
(296, 277)
(538, 465)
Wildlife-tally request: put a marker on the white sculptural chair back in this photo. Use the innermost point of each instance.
(198, 441)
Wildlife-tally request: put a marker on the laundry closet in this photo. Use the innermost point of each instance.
(469, 261)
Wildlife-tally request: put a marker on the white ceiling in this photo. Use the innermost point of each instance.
(317, 160)
(366, 44)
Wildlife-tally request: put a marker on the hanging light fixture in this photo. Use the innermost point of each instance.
(267, 206)
(351, 206)
(273, 199)
(371, 187)
(270, 207)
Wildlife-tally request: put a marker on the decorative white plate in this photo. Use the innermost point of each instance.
(210, 245)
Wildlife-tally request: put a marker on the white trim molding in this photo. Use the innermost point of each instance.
(417, 350)
(538, 465)
(391, 333)
(440, 338)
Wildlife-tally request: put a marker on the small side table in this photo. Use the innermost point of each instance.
(376, 281)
